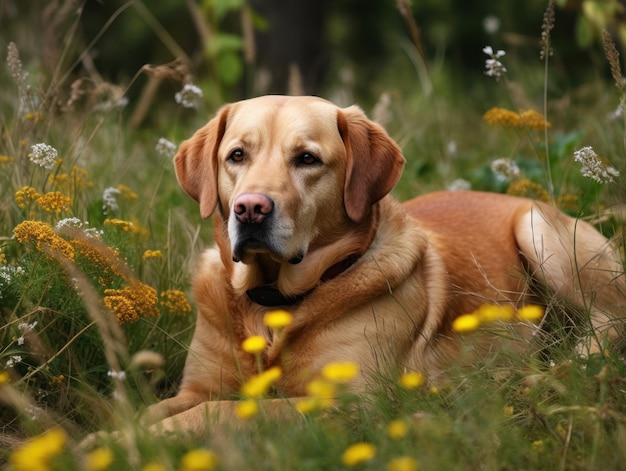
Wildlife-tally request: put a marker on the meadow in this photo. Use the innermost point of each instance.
(97, 243)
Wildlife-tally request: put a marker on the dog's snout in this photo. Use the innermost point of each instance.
(252, 207)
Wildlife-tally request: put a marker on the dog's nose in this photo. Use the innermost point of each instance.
(252, 207)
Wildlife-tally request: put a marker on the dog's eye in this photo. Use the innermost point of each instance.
(307, 159)
(236, 156)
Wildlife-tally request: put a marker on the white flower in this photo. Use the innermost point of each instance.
(166, 148)
(459, 185)
(505, 169)
(494, 68)
(14, 360)
(43, 155)
(189, 96)
(491, 24)
(594, 167)
(121, 375)
(109, 200)
(69, 222)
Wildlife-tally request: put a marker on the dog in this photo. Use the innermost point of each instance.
(299, 190)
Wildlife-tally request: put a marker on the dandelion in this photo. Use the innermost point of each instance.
(340, 372)
(466, 323)
(505, 169)
(494, 68)
(175, 301)
(254, 344)
(411, 380)
(99, 459)
(321, 395)
(247, 409)
(358, 453)
(54, 202)
(44, 238)
(150, 254)
(277, 319)
(166, 148)
(403, 463)
(594, 167)
(43, 155)
(198, 460)
(189, 96)
(397, 429)
(38, 453)
(258, 385)
(531, 313)
(109, 199)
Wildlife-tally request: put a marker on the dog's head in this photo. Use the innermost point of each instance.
(287, 172)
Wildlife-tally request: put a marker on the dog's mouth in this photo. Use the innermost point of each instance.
(245, 249)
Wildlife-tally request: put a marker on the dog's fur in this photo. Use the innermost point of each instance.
(299, 192)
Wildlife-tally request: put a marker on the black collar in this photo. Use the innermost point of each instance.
(270, 296)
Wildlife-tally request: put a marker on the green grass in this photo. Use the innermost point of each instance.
(547, 409)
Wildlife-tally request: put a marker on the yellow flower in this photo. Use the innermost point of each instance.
(131, 302)
(6, 160)
(528, 189)
(247, 409)
(258, 385)
(411, 380)
(340, 372)
(358, 453)
(4, 377)
(44, 237)
(154, 467)
(501, 117)
(307, 405)
(508, 411)
(3, 259)
(277, 319)
(37, 454)
(149, 254)
(403, 463)
(537, 445)
(54, 202)
(530, 313)
(124, 226)
(99, 459)
(127, 193)
(466, 323)
(107, 261)
(397, 429)
(77, 179)
(321, 395)
(25, 196)
(198, 460)
(533, 119)
(494, 312)
(175, 301)
(254, 344)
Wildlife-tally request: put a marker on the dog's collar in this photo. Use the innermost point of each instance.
(270, 296)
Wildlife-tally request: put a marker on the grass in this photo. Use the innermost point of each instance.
(69, 366)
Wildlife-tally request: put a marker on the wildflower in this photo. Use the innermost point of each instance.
(321, 395)
(109, 199)
(397, 429)
(99, 459)
(537, 445)
(44, 238)
(501, 117)
(124, 226)
(166, 148)
(131, 302)
(154, 467)
(595, 167)
(254, 344)
(38, 453)
(491, 24)
(127, 193)
(54, 202)
(403, 463)
(494, 312)
(247, 409)
(150, 254)
(25, 328)
(459, 185)
(69, 222)
(3, 259)
(25, 196)
(546, 29)
(494, 68)
(78, 179)
(121, 375)
(258, 385)
(466, 323)
(277, 319)
(533, 119)
(528, 189)
(15, 64)
(104, 259)
(505, 169)
(189, 96)
(9, 272)
(508, 411)
(358, 453)
(340, 372)
(4, 377)
(198, 460)
(531, 313)
(175, 301)
(43, 155)
(411, 380)
(6, 160)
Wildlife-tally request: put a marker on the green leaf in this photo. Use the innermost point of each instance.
(229, 68)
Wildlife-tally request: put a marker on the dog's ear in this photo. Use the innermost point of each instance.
(196, 163)
(374, 161)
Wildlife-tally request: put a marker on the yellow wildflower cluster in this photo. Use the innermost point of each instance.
(199, 459)
(25, 196)
(259, 385)
(397, 429)
(124, 226)
(528, 189)
(78, 179)
(44, 238)
(525, 119)
(103, 259)
(6, 160)
(126, 193)
(3, 258)
(150, 254)
(493, 312)
(277, 319)
(358, 453)
(175, 301)
(321, 392)
(99, 459)
(132, 301)
(254, 344)
(54, 202)
(38, 453)
(403, 463)
(411, 380)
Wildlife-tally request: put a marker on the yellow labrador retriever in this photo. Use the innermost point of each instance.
(303, 220)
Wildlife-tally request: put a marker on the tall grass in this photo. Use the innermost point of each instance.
(95, 319)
